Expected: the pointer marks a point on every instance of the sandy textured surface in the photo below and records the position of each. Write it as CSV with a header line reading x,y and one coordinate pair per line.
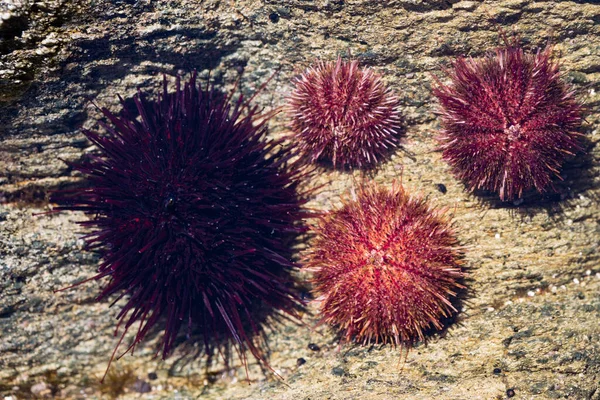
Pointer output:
x,y
531,324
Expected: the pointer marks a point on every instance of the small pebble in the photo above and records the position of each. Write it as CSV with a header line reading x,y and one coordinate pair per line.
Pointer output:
x,y
152,376
38,388
442,188
510,393
313,347
141,386
497,371
338,371
305,295
300,361
274,17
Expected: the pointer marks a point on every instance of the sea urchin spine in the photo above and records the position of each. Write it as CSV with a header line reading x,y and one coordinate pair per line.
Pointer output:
x,y
509,121
344,115
386,267
192,209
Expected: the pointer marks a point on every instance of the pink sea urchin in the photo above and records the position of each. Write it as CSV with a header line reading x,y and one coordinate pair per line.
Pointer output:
x,y
344,115
192,210
509,121
386,265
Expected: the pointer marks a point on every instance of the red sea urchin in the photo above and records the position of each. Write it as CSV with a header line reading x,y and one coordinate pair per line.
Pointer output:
x,y
192,210
386,266
509,121
345,115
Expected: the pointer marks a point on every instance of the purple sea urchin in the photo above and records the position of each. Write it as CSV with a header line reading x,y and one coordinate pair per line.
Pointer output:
x,y
386,266
345,115
509,121
191,209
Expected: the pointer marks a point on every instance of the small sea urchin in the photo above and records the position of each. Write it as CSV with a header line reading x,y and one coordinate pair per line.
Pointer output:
x,y
345,115
192,209
386,267
509,121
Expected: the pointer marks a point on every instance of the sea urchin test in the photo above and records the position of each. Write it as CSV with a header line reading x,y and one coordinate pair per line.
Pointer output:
x,y
344,115
509,121
386,266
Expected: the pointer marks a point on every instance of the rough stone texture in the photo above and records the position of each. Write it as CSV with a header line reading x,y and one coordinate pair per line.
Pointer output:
x,y
531,322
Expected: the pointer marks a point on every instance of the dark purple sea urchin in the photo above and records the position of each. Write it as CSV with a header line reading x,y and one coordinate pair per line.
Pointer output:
x,y
192,209
344,115
509,121
387,266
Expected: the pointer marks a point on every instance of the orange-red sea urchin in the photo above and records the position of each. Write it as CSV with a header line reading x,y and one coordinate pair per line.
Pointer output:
x,y
344,115
509,121
387,266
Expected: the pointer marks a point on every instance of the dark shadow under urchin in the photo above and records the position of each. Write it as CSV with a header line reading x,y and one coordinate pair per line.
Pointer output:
x,y
194,212
577,178
263,320
224,357
464,294
367,170
189,357
448,324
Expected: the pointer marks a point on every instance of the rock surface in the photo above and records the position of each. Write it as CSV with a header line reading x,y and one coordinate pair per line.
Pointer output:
x,y
530,327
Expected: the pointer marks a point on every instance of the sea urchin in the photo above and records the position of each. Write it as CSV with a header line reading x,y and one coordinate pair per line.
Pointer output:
x,y
345,115
192,209
386,267
509,121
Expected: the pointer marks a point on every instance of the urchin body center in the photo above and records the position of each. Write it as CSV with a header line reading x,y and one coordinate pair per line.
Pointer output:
x,y
513,132
169,203
338,131
377,258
